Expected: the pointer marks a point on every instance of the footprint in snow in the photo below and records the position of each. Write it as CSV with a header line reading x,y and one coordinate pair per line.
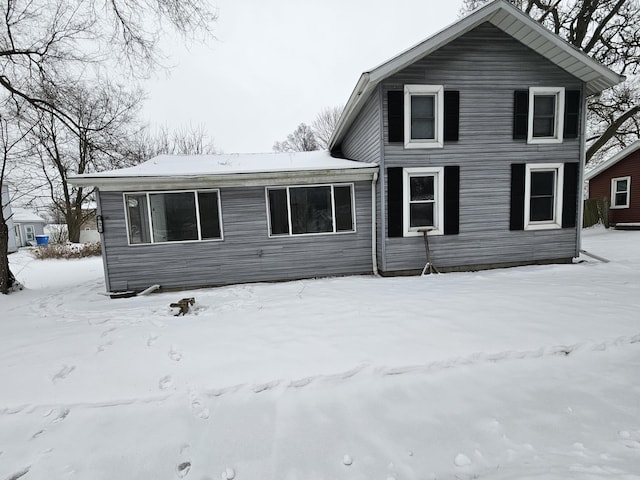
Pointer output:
x,y
103,346
62,415
462,460
165,382
199,410
228,474
152,340
174,355
63,373
182,469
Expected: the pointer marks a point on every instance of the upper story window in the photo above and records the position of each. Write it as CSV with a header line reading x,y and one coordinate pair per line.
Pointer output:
x,y
423,116
423,200
543,196
546,115
620,192
313,209
173,216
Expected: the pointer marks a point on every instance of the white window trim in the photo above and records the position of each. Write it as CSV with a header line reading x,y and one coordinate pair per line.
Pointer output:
x,y
153,242
438,227
30,231
559,114
438,92
557,216
333,210
613,192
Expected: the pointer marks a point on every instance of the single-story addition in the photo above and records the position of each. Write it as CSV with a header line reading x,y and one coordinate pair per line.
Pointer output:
x,y
190,221
475,134
618,181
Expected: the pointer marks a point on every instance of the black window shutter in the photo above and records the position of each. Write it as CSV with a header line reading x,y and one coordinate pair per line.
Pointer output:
x,y
451,200
520,114
395,115
394,210
451,115
517,196
570,195
571,113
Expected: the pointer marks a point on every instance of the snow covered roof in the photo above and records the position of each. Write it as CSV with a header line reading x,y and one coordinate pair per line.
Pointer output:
x,y
507,18
23,215
625,152
225,168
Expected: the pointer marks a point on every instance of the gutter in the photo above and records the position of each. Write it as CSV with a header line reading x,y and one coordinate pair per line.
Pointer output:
x,y
374,247
120,183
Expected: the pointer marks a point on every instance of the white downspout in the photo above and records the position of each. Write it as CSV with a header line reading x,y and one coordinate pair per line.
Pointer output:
x,y
374,247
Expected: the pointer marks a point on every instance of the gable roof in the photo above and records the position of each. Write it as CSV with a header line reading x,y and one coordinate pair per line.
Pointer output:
x,y
621,155
23,215
507,18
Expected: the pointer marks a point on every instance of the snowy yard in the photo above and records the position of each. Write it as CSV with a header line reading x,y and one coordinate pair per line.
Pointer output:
x,y
525,373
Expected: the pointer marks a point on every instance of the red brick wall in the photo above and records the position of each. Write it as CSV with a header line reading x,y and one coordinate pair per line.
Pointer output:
x,y
600,187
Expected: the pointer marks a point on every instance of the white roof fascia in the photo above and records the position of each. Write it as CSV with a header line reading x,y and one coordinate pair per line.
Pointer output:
x,y
158,182
504,16
621,155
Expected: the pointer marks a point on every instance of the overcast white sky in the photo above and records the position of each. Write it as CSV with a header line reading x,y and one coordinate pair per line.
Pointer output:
x,y
277,63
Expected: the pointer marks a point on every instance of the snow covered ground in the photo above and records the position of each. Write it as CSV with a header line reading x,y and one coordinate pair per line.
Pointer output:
x,y
527,373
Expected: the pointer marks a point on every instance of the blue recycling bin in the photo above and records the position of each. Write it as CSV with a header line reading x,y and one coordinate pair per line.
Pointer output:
x,y
42,240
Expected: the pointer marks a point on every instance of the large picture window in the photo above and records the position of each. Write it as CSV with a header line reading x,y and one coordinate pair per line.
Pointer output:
x,y
310,209
620,188
424,116
543,196
159,217
423,200
546,115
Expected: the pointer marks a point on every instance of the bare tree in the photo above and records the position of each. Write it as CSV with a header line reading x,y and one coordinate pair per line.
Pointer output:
x,y
45,42
12,148
301,140
103,117
185,140
608,31
324,124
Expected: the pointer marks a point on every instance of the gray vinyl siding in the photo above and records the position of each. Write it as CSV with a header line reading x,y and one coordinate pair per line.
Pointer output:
x,y
246,254
486,66
363,142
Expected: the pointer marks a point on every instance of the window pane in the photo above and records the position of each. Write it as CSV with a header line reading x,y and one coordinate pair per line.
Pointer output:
x,y
137,218
621,199
421,215
173,216
544,110
621,185
344,213
541,209
311,209
544,105
423,117
422,188
422,106
209,219
543,183
278,213
542,201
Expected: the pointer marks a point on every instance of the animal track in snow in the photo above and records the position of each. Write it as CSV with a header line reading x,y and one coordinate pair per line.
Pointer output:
x,y
102,346
152,340
200,410
63,373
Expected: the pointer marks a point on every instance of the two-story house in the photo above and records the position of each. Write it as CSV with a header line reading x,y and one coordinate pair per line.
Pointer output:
x,y
475,135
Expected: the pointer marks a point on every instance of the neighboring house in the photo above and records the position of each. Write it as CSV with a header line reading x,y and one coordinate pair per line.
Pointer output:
x,y
89,230
8,216
617,180
27,225
476,134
